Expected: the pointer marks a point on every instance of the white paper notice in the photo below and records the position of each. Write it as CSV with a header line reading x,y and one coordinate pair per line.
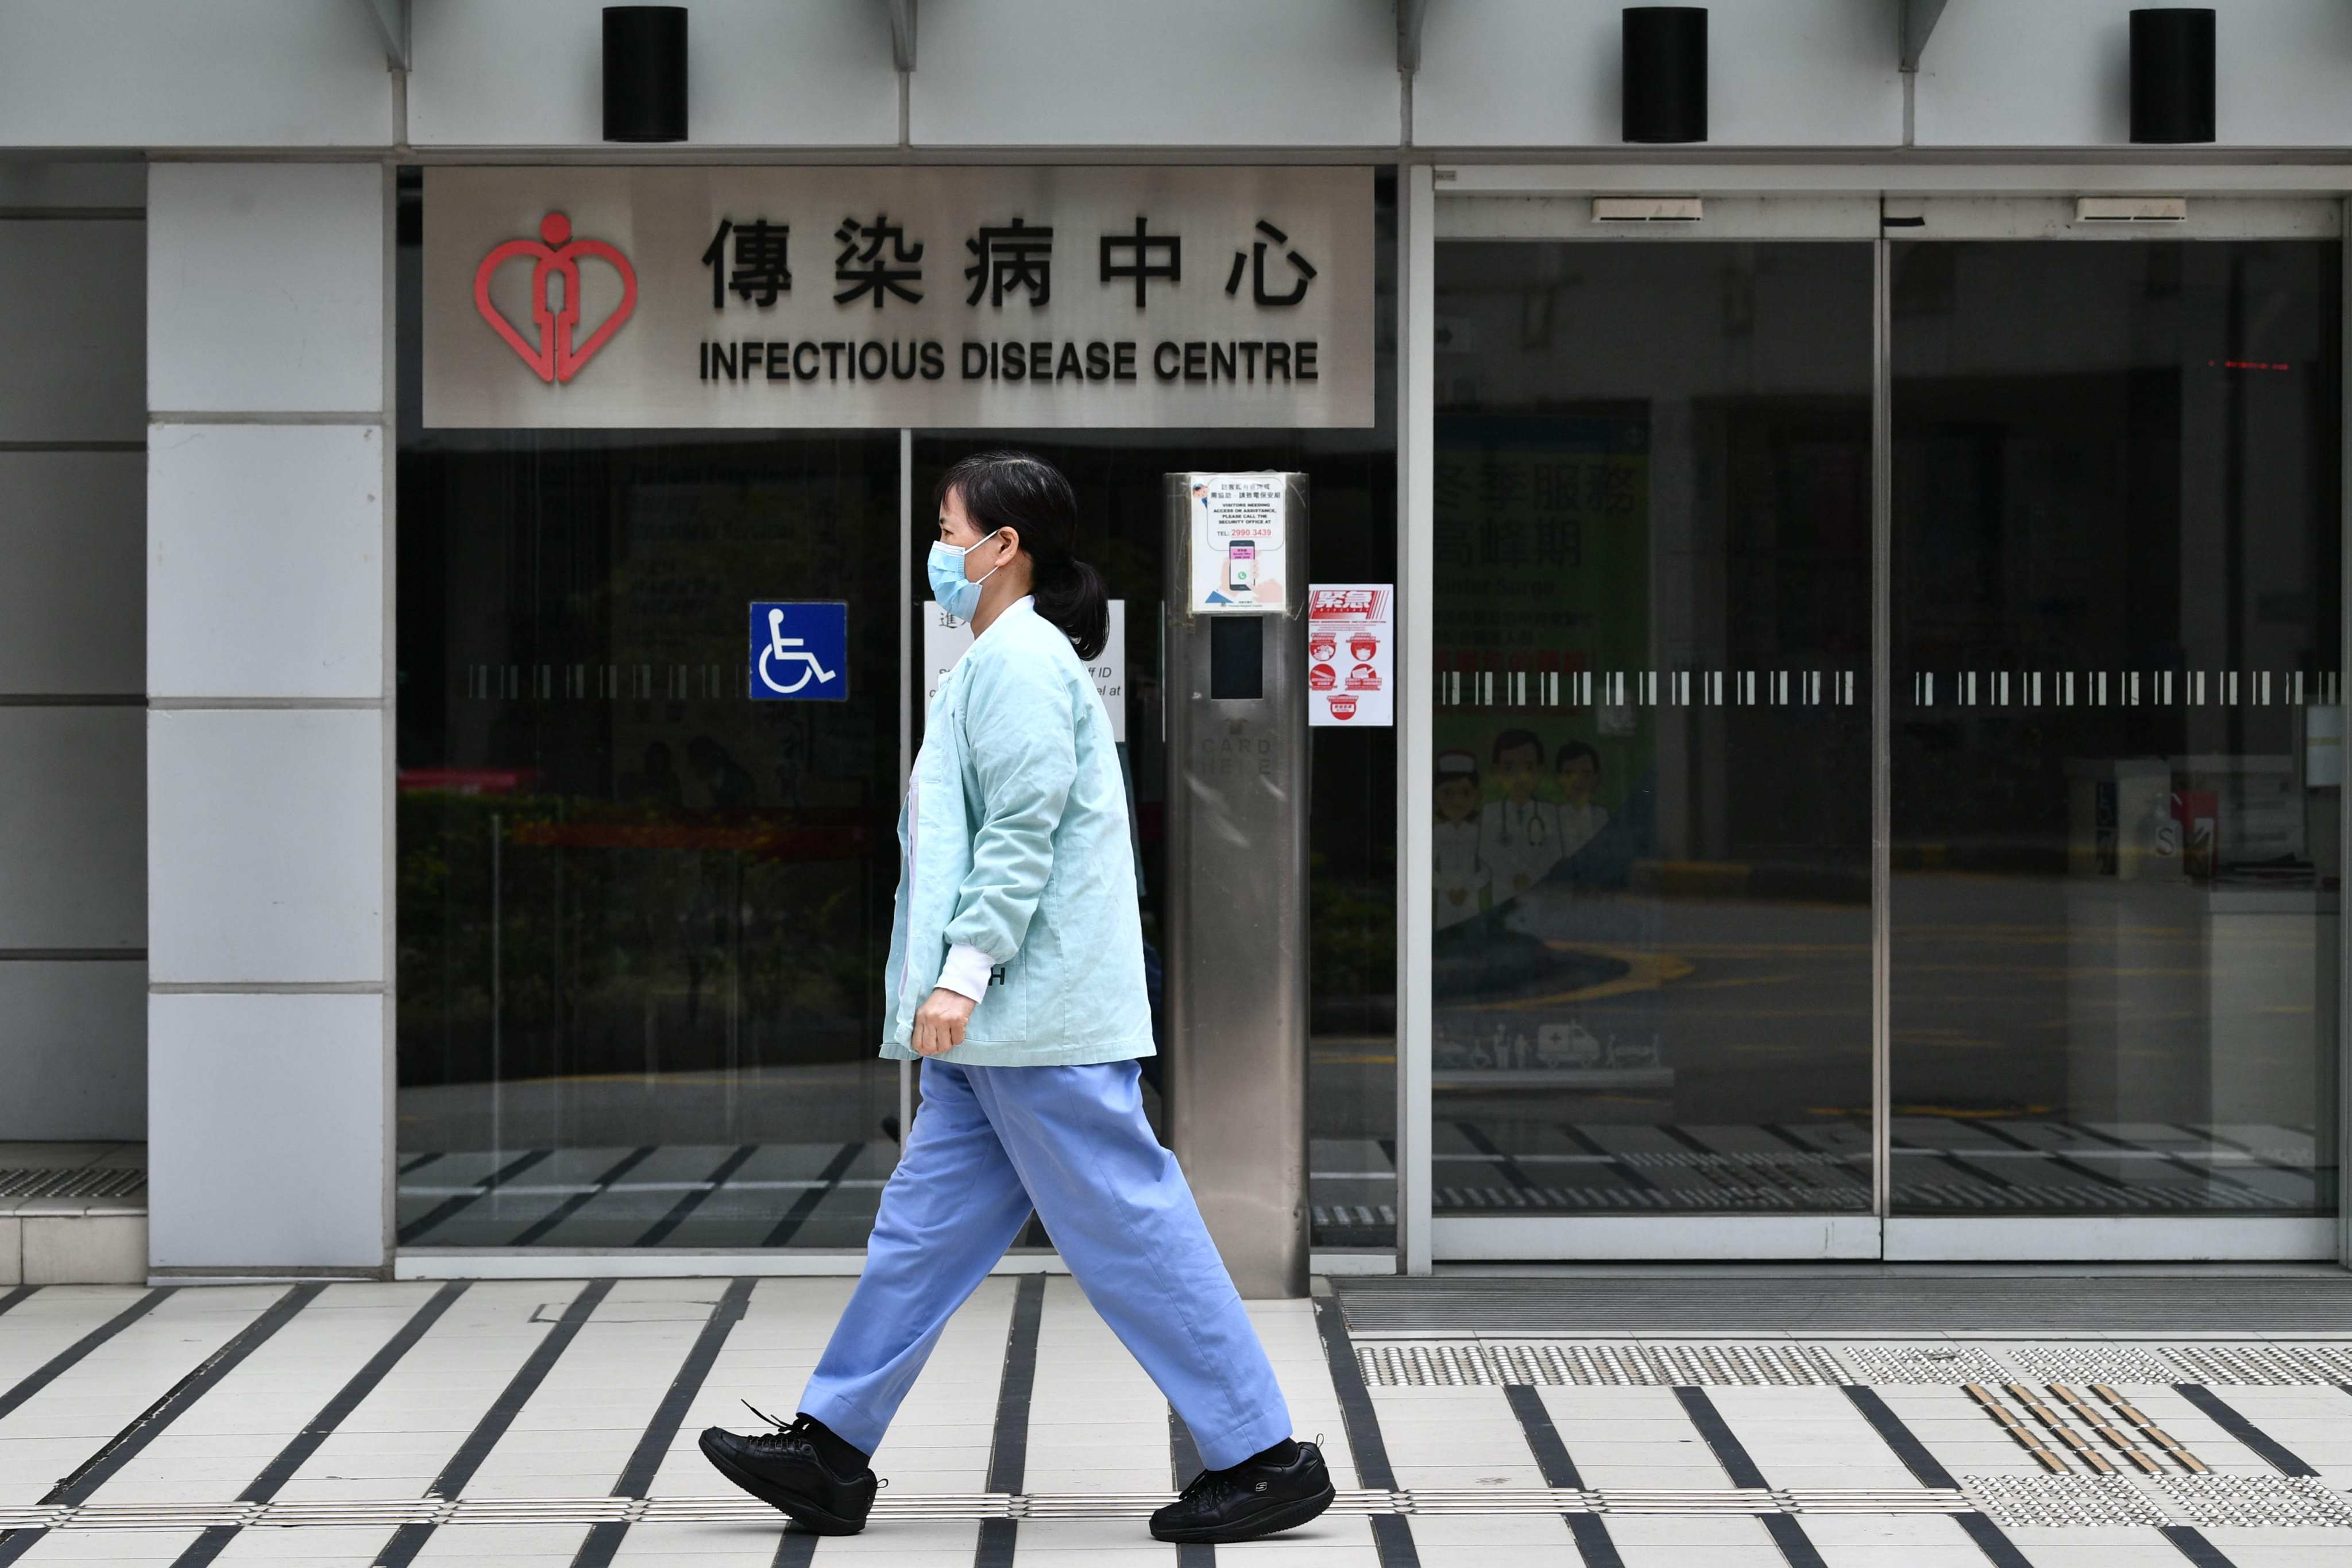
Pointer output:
x,y
1349,638
1238,560
945,639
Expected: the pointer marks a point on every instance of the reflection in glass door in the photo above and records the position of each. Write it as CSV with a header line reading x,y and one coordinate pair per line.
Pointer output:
x,y
1651,980
641,918
2117,741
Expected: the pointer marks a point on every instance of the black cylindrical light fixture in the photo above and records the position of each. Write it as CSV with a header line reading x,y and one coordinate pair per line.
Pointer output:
x,y
1665,73
644,73
2172,74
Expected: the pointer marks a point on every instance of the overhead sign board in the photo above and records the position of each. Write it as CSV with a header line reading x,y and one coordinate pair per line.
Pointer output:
x,y
849,298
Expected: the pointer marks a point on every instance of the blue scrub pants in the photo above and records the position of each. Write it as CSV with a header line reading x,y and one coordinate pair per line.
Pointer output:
x,y
989,1143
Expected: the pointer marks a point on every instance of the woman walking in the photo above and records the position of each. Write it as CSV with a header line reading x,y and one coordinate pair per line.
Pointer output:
x,y
1016,976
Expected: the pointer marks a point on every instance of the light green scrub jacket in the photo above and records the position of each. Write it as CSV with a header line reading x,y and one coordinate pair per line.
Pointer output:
x,y
1013,839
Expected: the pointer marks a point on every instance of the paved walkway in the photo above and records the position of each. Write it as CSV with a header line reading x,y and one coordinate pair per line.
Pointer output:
x,y
553,1423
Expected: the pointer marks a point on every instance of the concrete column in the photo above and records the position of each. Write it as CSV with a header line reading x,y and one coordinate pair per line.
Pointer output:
x,y
269,729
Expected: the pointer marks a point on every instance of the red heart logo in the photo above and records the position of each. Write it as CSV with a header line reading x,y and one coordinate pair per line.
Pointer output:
x,y
554,356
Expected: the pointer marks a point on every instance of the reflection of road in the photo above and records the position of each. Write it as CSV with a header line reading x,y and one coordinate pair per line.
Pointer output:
x,y
2115,1039
1760,1010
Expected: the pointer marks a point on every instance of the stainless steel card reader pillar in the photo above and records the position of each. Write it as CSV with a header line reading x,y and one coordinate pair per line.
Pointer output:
x,y
1235,896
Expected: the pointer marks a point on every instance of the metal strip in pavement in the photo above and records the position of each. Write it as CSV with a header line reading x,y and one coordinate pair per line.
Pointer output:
x,y
313,1436
797,1549
1008,1447
1786,1532
151,1423
1183,1465
2193,1545
806,1205
652,1447
678,1216
448,1208
58,1366
1929,1472
1391,1535
410,1538
2224,1416
580,1200
1559,1469
1924,1465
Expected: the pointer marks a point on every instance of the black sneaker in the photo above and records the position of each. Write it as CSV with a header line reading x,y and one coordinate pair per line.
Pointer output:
x,y
1250,1499
782,1469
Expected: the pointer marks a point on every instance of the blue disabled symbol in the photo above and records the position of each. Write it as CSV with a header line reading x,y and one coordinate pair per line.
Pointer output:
x,y
799,650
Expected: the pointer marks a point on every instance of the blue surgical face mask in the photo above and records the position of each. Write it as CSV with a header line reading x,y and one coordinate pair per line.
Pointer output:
x,y
958,594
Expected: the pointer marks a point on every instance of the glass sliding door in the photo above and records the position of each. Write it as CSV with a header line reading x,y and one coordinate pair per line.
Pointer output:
x,y
1650,887
2087,1006
2116,734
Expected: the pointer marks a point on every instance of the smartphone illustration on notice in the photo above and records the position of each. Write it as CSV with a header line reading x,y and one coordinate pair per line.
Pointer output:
x,y
1240,565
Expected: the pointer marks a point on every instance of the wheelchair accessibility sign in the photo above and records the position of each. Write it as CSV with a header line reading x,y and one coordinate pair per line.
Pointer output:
x,y
799,650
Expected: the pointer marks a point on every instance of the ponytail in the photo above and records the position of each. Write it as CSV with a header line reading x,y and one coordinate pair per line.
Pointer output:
x,y
1074,600
1029,495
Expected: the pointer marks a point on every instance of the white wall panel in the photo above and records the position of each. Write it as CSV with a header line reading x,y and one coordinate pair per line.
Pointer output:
x,y
265,561
2010,73
273,1154
73,595
73,1050
76,293
1146,73
1781,73
73,793
265,287
192,73
759,71
266,846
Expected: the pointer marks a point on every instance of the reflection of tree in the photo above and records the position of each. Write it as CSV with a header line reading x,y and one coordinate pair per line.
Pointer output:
x,y
632,938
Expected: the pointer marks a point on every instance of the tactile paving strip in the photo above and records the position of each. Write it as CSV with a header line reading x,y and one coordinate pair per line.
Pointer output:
x,y
2010,1499
2287,1500
2093,1363
390,1513
2062,1500
1473,1363
2274,1365
1894,1365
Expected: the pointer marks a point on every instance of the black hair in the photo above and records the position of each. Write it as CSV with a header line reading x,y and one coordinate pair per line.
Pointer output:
x,y
1512,740
1573,750
1028,494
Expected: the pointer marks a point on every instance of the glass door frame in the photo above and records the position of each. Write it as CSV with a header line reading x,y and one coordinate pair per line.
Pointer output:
x,y
1555,205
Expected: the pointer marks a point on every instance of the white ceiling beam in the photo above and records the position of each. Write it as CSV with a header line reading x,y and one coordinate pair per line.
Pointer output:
x,y
1410,15
1918,21
391,18
902,33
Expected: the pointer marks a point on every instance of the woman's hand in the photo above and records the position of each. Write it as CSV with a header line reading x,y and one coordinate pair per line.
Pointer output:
x,y
939,1021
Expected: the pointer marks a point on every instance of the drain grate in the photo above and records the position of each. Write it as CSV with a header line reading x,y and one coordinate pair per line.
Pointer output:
x,y
19,1183
2062,1500
2285,1500
1477,1363
1471,1363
